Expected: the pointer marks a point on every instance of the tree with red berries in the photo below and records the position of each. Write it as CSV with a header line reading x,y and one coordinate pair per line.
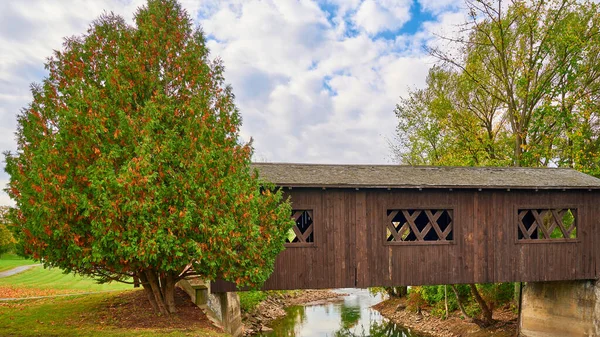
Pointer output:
x,y
129,162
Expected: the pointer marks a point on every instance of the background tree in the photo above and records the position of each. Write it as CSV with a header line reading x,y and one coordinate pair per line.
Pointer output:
x,y
450,123
536,63
129,162
7,241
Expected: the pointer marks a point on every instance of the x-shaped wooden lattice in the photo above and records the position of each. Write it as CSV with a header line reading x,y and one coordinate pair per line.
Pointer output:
x,y
302,236
554,218
411,226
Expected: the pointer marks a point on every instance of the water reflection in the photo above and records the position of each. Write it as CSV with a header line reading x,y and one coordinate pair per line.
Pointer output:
x,y
383,329
351,317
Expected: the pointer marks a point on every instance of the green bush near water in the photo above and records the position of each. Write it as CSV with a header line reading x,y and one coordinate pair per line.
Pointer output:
x,y
250,299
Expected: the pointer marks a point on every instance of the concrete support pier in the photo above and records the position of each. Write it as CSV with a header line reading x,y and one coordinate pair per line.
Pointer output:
x,y
223,309
561,309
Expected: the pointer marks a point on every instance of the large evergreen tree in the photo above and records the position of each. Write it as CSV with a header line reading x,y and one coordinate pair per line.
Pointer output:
x,y
129,162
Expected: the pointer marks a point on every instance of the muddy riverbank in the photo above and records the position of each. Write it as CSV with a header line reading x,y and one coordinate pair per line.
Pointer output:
x,y
429,325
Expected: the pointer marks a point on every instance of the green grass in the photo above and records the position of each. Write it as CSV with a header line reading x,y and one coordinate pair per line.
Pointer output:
x,y
99,314
76,316
10,261
38,277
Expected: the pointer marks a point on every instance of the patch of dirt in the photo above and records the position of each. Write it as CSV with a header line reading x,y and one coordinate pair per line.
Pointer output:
x,y
273,307
395,310
132,310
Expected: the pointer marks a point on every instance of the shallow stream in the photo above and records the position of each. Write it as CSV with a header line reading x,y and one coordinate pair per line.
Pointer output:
x,y
350,317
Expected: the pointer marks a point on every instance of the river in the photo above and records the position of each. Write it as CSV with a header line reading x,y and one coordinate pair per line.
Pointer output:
x,y
350,317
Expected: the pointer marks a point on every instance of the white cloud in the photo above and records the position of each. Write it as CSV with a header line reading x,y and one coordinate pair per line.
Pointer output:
x,y
440,6
378,16
312,86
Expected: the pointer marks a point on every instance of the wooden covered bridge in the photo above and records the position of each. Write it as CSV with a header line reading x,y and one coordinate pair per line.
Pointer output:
x,y
366,225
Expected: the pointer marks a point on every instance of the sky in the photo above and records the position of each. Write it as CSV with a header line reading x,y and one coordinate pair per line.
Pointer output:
x,y
315,81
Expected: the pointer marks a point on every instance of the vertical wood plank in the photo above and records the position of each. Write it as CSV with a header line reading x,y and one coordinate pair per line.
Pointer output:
x,y
362,266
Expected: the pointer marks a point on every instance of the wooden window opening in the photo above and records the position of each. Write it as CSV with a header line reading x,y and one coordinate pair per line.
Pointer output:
x,y
419,225
302,233
547,224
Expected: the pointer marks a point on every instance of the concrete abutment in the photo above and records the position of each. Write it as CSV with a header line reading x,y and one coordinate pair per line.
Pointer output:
x,y
223,309
560,309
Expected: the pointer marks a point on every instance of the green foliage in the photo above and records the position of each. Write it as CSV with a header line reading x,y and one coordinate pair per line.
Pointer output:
x,y
415,299
497,294
436,128
249,300
390,291
522,89
7,241
377,291
434,296
129,160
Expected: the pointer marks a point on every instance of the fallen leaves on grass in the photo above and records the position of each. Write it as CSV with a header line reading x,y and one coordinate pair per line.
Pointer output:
x,y
132,310
19,292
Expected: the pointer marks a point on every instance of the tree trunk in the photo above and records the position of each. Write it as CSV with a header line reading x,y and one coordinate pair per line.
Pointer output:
x,y
518,149
169,293
402,291
159,290
396,291
446,299
459,302
485,309
148,290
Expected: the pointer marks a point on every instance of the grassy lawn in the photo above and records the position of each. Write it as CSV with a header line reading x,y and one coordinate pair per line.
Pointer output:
x,y
38,281
107,314
124,312
10,260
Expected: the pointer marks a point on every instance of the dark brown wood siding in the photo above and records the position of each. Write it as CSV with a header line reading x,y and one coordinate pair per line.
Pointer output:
x,y
350,248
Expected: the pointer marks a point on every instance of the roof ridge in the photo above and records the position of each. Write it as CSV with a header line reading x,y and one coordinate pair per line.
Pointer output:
x,y
417,166
403,176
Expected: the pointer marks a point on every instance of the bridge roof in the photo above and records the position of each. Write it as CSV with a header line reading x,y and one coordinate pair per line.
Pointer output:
x,y
398,176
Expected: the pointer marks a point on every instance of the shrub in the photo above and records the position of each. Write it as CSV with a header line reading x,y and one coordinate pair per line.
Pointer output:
x,y
249,300
415,301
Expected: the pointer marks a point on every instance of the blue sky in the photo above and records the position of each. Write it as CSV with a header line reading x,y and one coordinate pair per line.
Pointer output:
x,y
314,81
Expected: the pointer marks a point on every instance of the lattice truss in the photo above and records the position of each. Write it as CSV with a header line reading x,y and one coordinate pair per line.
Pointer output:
x,y
407,225
302,231
540,224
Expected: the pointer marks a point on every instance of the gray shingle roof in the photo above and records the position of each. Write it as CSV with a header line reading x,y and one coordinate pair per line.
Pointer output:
x,y
397,176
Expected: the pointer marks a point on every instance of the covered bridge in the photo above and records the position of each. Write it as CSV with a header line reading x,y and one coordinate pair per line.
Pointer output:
x,y
383,225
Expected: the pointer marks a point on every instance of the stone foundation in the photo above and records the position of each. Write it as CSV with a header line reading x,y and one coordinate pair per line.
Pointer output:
x,y
223,309
560,309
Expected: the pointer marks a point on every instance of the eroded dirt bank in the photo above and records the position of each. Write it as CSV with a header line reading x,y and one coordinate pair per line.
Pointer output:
x,y
424,323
